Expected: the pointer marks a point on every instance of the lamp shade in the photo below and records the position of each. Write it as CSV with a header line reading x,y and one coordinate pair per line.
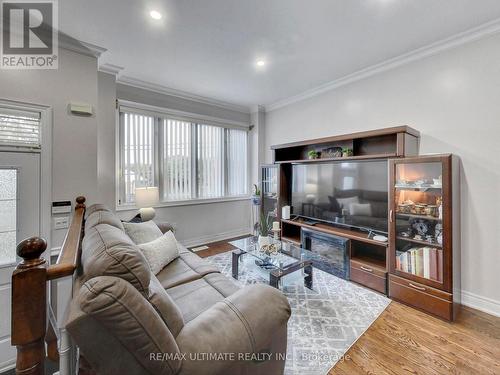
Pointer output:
x,y
146,197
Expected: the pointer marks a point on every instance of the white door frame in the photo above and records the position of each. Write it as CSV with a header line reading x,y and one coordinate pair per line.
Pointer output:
x,y
45,163
45,204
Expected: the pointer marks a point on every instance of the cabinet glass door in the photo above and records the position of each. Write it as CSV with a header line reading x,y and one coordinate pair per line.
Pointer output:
x,y
418,219
269,188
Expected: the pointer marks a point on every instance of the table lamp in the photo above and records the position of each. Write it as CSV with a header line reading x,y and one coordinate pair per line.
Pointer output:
x,y
145,199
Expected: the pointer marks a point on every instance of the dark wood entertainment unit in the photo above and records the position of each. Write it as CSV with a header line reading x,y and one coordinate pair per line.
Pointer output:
x,y
419,264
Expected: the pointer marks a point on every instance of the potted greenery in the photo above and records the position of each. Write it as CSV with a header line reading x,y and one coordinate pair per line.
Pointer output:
x,y
346,152
263,231
312,154
255,195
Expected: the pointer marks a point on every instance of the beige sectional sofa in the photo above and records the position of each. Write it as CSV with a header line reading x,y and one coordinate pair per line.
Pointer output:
x,y
187,319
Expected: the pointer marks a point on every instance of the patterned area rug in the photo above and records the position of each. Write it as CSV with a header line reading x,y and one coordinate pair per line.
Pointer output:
x,y
325,321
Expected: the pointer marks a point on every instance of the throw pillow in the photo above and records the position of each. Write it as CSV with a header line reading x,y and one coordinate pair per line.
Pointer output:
x,y
360,209
160,252
346,202
142,232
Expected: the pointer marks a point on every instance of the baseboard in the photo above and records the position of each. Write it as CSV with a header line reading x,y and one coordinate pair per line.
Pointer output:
x,y
215,237
484,304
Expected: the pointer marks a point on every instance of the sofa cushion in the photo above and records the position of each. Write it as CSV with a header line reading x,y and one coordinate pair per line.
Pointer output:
x,y
199,295
94,208
142,232
165,306
160,252
103,217
118,308
107,251
187,267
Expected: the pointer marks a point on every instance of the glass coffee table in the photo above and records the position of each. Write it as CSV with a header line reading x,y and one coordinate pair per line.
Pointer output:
x,y
287,259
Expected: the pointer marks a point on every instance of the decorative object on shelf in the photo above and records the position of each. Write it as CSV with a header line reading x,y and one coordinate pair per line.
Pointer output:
x,y
276,230
439,204
270,249
263,231
438,233
285,212
331,152
431,210
380,238
256,195
346,152
145,199
421,226
313,155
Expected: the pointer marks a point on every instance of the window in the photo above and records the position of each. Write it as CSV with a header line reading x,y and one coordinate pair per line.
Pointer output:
x,y
19,128
187,159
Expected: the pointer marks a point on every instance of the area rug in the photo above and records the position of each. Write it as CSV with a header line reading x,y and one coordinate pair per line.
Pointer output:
x,y
325,321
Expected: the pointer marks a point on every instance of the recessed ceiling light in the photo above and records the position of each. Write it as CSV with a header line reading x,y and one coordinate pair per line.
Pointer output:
x,y
260,63
155,15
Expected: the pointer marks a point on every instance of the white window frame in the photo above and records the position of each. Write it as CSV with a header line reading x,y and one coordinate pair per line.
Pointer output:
x,y
159,112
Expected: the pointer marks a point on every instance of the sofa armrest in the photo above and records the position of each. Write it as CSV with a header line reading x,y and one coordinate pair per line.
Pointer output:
x,y
165,227
249,321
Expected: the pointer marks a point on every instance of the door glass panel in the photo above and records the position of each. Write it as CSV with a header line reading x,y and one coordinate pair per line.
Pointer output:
x,y
8,215
419,219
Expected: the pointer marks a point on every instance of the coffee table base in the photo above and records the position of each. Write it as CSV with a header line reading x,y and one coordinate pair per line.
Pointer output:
x,y
276,275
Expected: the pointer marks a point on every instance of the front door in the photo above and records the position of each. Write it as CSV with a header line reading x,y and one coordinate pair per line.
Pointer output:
x,y
19,219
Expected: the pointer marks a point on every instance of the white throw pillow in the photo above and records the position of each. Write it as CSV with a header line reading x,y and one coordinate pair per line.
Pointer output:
x,y
142,232
360,209
160,252
346,202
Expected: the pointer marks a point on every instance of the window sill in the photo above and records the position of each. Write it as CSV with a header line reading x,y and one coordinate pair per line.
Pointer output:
x,y
191,202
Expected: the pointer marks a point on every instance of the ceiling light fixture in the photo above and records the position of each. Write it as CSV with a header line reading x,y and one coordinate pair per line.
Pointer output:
x,y
260,63
155,15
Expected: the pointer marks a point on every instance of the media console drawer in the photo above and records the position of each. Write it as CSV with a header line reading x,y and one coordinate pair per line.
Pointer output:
x,y
423,297
369,276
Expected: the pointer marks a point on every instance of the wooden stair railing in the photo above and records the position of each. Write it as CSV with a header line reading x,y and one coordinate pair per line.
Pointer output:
x,y
30,326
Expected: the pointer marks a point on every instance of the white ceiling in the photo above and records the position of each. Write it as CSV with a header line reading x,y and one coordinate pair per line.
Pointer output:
x,y
209,47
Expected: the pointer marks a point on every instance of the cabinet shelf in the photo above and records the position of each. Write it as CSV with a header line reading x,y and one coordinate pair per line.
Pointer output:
x,y
420,242
358,157
415,216
429,188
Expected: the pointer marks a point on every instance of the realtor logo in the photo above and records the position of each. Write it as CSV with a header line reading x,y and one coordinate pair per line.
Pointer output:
x,y
29,34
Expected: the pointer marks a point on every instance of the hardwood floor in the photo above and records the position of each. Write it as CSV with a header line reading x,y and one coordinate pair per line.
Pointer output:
x,y
406,341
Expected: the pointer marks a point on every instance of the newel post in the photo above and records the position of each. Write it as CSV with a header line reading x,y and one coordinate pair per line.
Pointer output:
x,y
29,303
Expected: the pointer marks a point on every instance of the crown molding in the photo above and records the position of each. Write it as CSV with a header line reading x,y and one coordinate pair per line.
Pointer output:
x,y
83,48
476,33
134,82
110,69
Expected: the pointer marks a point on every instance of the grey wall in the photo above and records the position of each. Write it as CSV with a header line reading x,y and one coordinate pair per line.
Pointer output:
x,y
74,144
453,99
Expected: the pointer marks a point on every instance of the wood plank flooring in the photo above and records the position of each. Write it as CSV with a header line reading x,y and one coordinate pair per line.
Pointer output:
x,y
406,341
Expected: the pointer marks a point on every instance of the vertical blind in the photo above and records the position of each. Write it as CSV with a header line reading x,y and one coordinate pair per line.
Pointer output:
x,y
237,162
137,160
185,159
177,160
19,128
210,161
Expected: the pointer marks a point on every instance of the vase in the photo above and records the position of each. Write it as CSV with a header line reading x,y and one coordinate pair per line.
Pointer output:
x,y
255,200
263,241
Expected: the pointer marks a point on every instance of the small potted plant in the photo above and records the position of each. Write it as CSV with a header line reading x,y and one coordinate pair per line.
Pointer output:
x,y
255,195
312,154
263,231
346,152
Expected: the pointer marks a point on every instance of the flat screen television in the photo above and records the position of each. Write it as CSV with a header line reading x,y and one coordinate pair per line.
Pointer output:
x,y
351,193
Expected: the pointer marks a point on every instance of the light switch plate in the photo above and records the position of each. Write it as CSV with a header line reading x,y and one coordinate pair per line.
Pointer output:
x,y
61,222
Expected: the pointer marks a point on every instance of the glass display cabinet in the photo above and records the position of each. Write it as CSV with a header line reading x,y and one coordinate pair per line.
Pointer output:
x,y
421,232
269,190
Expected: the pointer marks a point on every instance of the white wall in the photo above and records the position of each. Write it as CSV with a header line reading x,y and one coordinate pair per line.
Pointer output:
x,y
454,100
